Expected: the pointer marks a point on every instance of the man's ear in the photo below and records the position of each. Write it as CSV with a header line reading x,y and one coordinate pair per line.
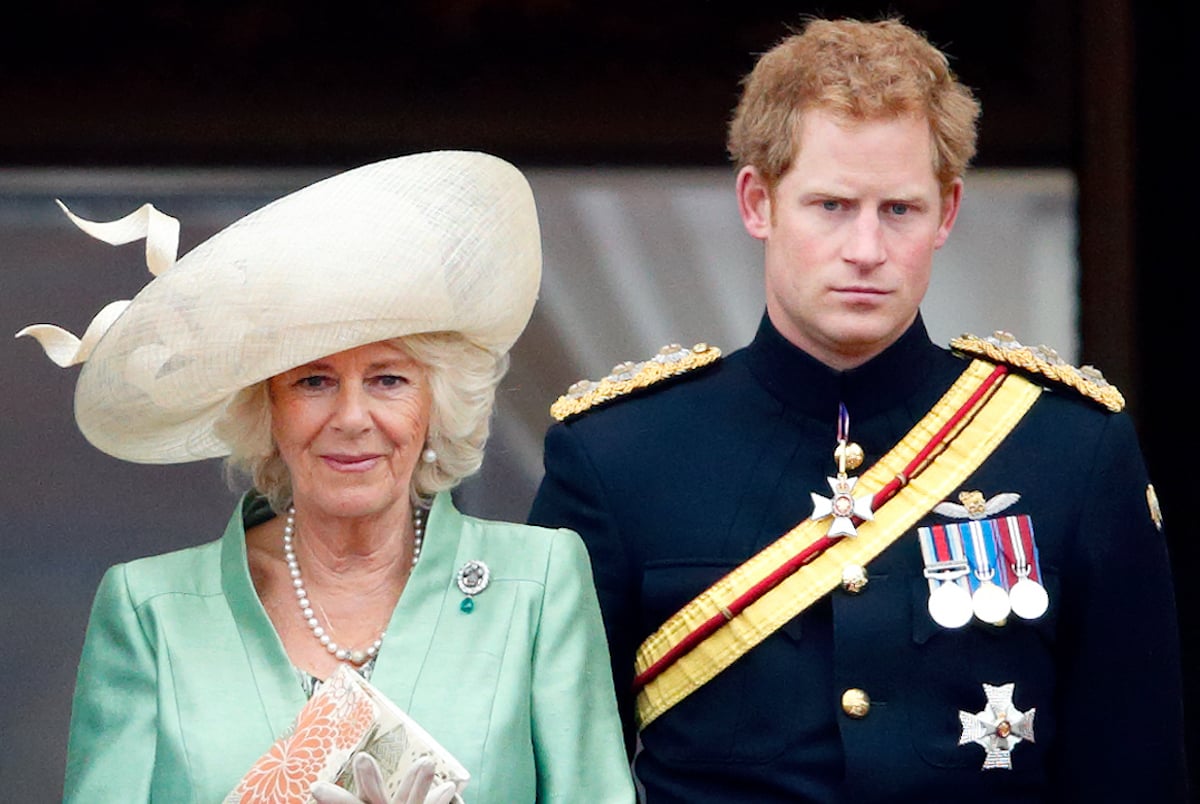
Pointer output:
x,y
951,201
754,202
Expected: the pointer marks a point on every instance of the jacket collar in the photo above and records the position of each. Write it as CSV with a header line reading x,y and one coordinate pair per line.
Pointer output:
x,y
802,382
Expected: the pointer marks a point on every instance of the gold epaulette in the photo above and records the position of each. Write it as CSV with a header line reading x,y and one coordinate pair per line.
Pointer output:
x,y
671,361
1002,347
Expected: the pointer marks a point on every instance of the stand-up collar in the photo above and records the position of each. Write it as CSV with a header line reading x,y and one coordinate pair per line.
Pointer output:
x,y
801,381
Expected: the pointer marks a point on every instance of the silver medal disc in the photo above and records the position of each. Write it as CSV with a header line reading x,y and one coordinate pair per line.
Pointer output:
x,y
950,605
1029,599
990,603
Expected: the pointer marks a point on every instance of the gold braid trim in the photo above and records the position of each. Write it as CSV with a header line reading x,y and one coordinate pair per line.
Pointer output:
x,y
1002,347
671,361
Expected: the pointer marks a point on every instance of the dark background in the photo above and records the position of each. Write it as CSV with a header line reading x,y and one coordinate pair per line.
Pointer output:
x,y
1099,87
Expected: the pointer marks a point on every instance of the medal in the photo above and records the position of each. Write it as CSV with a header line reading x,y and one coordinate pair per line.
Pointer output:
x,y
1029,599
842,505
990,603
946,569
998,728
950,605
1019,552
988,600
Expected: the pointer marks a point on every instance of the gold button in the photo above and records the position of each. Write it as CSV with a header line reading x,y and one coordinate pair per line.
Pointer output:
x,y
854,578
856,703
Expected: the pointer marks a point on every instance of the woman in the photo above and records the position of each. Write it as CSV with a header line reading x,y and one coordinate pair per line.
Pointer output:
x,y
342,345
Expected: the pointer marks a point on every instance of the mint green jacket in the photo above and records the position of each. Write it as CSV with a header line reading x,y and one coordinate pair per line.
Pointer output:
x,y
184,683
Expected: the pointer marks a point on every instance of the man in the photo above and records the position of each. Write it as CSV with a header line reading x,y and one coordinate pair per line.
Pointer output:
x,y
861,567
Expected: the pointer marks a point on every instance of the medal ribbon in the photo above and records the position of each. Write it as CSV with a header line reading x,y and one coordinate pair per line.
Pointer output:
x,y
766,591
943,556
843,433
1018,549
980,549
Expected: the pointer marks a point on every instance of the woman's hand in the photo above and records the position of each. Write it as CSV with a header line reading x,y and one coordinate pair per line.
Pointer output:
x,y
414,787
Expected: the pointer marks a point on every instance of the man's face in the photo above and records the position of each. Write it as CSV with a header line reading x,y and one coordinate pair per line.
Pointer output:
x,y
849,234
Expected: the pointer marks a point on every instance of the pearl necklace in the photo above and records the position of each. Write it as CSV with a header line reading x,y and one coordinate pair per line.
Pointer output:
x,y
355,657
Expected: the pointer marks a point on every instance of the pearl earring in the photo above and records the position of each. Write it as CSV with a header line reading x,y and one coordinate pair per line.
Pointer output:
x,y
429,455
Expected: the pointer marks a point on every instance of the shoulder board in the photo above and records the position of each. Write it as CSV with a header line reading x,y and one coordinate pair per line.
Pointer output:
x,y
1002,347
671,361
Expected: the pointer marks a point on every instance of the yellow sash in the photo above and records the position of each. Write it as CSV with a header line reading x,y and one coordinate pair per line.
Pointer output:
x,y
963,452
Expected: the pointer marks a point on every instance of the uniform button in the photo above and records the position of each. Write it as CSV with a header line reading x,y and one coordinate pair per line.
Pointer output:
x,y
854,579
856,703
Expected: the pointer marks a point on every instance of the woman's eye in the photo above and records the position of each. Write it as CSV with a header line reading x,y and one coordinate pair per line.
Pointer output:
x,y
316,381
391,381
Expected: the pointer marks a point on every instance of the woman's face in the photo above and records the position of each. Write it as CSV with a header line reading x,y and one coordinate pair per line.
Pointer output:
x,y
351,428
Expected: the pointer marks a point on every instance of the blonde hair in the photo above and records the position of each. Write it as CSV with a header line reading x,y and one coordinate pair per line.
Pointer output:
x,y
462,377
860,71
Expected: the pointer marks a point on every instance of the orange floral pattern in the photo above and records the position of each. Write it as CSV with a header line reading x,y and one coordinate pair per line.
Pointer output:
x,y
330,725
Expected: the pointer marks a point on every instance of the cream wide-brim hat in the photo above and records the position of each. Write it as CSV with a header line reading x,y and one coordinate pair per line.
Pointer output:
x,y
433,242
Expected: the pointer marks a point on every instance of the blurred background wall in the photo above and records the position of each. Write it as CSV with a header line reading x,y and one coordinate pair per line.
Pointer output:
x,y
1072,232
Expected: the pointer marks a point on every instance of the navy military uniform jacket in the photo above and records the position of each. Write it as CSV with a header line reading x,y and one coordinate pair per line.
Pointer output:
x,y
673,487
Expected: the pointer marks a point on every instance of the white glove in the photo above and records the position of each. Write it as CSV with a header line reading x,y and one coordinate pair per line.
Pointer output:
x,y
414,787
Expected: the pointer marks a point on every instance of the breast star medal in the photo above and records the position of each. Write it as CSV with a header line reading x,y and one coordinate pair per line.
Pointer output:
x,y
842,505
998,728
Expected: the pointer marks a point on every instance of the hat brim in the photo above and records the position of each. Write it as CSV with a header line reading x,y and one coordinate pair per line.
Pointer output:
x,y
441,241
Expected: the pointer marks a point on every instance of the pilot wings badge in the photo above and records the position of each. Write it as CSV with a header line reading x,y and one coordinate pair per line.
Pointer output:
x,y
975,506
